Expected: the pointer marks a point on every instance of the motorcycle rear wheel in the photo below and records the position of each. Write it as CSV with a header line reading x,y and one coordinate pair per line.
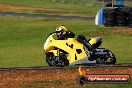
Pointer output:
x,y
107,59
111,59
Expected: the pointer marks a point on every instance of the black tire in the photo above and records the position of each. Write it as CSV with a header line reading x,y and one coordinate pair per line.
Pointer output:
x,y
103,56
111,57
121,13
121,22
129,18
109,16
100,61
109,19
130,13
109,24
81,80
110,13
129,25
127,9
120,9
51,60
107,10
121,25
120,17
129,22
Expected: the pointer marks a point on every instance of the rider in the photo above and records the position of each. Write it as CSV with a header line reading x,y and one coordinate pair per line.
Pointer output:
x,y
63,33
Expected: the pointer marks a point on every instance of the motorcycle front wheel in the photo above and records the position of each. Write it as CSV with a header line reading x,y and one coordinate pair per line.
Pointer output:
x,y
57,61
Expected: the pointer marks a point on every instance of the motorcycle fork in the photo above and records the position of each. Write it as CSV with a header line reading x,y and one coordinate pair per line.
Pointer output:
x,y
58,52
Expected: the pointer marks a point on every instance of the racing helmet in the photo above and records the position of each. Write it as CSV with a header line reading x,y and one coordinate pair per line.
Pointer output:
x,y
61,29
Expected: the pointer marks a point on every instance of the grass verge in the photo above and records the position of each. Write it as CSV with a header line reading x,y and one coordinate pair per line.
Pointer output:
x,y
65,83
21,39
46,6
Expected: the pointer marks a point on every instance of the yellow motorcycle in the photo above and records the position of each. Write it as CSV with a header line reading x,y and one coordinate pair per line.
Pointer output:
x,y
73,52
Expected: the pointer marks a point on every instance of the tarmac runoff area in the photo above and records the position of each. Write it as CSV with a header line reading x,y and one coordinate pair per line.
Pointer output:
x,y
45,16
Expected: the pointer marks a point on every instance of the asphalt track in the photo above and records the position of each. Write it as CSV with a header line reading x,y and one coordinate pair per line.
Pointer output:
x,y
45,16
50,68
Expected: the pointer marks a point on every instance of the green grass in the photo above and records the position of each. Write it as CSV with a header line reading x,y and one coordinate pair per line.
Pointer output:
x,y
85,8
21,39
61,8
66,83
